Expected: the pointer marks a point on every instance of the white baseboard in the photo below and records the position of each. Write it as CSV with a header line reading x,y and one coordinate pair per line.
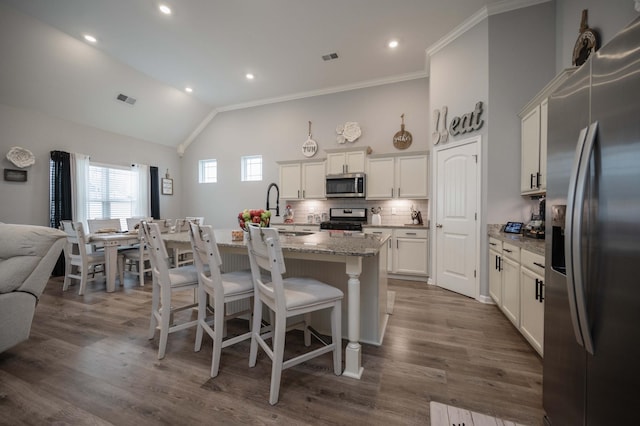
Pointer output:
x,y
485,299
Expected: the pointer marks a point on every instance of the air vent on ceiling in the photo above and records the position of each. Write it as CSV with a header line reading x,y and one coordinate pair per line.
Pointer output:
x,y
329,56
126,99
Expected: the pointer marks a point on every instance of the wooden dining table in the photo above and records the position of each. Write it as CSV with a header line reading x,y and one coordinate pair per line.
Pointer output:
x,y
111,241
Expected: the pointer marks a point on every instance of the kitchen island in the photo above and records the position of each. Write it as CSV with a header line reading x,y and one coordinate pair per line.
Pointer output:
x,y
328,256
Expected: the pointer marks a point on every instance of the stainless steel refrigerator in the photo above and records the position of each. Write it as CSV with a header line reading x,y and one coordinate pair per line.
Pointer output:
x,y
591,359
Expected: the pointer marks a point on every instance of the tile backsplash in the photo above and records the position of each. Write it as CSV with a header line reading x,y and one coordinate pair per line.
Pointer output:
x,y
394,212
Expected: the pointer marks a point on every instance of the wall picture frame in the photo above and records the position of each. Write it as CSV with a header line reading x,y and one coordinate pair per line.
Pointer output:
x,y
167,186
12,175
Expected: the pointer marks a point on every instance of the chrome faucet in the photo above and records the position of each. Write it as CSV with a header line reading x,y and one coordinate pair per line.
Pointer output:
x,y
271,185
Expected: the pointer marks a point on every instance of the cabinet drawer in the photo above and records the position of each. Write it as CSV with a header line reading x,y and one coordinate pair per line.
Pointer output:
x,y
511,251
411,233
533,262
495,244
378,231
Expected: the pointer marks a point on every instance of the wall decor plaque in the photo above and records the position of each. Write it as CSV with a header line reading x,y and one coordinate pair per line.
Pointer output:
x,y
12,175
587,42
402,139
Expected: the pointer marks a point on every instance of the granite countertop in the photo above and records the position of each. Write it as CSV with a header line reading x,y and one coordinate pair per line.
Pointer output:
x,y
408,225
531,244
335,243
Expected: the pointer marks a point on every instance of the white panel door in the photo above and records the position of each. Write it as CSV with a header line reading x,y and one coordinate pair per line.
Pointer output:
x,y
457,186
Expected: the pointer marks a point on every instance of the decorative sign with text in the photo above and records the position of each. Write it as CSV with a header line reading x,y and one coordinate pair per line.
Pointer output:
x,y
466,123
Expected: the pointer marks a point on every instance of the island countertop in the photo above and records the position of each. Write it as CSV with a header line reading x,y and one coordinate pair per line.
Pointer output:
x,y
326,242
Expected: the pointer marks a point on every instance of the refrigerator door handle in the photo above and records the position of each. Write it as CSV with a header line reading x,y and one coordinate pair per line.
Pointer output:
x,y
568,236
579,279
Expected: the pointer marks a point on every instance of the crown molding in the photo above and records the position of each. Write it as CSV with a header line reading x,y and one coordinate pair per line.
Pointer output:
x,y
328,91
196,132
479,16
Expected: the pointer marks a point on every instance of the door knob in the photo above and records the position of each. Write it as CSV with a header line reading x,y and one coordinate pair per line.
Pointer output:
x,y
439,225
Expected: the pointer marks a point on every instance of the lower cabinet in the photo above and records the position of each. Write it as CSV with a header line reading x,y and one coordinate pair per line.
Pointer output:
x,y
511,282
532,300
516,284
408,252
411,252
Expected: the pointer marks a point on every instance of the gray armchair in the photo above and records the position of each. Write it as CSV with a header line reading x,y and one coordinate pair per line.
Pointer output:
x,y
28,254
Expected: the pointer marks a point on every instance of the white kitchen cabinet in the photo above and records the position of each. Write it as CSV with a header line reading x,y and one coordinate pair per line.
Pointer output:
x,y
313,180
302,180
495,270
398,176
511,282
533,117
390,244
532,299
290,181
342,161
411,252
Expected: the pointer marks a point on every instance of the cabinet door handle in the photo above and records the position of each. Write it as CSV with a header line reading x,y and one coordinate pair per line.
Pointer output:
x,y
539,264
397,244
531,181
538,176
541,298
303,193
376,232
438,225
508,251
537,288
499,263
398,192
410,233
298,193
491,244
391,192
389,242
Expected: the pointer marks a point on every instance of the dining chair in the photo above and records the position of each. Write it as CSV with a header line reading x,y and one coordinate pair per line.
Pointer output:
x,y
79,262
183,256
222,288
138,258
103,225
166,281
286,298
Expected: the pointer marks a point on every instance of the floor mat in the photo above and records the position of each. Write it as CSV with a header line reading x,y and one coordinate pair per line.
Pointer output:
x,y
447,415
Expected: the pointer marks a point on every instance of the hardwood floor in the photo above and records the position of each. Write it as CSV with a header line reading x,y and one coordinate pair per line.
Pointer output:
x,y
88,361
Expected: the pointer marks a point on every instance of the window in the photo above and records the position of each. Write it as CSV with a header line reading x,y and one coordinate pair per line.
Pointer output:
x,y
112,193
208,171
252,168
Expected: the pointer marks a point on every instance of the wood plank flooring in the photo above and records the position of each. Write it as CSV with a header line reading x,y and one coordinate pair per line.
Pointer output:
x,y
88,361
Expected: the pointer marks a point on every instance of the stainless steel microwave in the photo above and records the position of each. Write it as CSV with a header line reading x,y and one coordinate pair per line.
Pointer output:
x,y
350,185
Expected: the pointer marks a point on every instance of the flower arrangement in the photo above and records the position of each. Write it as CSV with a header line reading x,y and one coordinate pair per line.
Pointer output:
x,y
259,216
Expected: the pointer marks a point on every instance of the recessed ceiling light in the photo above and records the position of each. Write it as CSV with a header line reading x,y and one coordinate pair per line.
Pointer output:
x,y
90,38
250,76
188,89
165,9
393,44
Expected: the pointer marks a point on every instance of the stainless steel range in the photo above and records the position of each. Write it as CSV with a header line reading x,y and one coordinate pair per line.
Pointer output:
x,y
345,219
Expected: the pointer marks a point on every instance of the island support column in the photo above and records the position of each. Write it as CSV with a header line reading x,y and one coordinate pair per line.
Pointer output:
x,y
353,354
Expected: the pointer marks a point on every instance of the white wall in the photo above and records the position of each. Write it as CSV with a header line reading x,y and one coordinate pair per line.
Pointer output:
x,y
519,67
459,77
28,202
606,17
277,132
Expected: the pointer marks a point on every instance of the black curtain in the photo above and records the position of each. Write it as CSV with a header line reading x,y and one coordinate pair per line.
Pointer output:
x,y
155,192
60,196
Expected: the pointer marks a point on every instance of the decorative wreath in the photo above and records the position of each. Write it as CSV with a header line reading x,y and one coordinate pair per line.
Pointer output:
x,y
21,157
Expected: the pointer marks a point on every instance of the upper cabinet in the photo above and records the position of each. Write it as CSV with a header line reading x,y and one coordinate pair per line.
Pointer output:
x,y
341,161
533,172
302,180
398,176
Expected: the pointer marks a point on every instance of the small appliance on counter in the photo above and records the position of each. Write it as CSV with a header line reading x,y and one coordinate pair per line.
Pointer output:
x,y
535,228
416,217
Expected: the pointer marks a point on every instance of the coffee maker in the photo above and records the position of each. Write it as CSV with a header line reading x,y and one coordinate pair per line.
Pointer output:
x,y
535,227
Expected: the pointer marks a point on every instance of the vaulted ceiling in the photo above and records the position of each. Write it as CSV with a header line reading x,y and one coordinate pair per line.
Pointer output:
x,y
209,46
